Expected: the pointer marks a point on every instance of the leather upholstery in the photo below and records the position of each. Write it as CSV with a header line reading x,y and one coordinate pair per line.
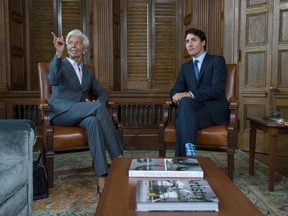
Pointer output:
x,y
57,139
216,136
69,137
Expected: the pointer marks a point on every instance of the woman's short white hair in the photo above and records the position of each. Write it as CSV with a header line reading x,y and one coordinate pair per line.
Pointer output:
x,y
77,32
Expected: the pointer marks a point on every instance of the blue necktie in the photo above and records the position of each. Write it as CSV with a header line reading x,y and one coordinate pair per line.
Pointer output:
x,y
196,69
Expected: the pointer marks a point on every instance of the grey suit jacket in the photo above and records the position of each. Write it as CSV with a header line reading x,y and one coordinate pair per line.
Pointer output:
x,y
66,88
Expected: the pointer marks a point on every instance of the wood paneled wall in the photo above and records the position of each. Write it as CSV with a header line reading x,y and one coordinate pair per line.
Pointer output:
x,y
208,16
263,80
19,97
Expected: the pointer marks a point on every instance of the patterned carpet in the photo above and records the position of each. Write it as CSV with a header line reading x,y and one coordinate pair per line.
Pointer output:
x,y
75,194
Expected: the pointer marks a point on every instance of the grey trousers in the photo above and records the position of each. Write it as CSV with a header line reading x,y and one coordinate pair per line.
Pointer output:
x,y
101,132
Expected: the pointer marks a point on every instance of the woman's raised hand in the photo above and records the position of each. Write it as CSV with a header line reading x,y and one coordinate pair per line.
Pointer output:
x,y
59,44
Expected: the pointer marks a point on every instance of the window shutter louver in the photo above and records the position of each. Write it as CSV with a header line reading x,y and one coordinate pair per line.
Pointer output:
x,y
151,44
71,16
137,42
165,44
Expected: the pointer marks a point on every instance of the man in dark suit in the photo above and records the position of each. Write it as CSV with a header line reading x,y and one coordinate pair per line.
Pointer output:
x,y
199,92
71,82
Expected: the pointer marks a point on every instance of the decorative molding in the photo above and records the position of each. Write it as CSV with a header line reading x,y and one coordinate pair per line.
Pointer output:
x,y
253,94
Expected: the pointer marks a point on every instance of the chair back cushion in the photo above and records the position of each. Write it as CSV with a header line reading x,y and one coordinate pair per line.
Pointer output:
x,y
230,90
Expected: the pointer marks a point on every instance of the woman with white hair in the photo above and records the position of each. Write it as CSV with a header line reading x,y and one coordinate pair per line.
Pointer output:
x,y
71,82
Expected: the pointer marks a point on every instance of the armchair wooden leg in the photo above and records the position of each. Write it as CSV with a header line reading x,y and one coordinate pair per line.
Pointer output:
x,y
49,161
162,150
230,164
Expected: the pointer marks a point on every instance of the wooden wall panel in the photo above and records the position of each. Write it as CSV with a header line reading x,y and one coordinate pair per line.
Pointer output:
x,y
283,28
116,45
251,3
18,73
280,66
103,41
283,69
4,44
252,109
262,67
2,110
140,115
207,15
256,28
255,75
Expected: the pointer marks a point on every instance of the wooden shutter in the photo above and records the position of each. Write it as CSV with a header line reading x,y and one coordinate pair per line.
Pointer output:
x,y
71,16
42,49
137,44
150,44
165,44
43,23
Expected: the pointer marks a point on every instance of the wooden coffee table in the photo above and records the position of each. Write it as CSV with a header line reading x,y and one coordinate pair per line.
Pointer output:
x,y
119,193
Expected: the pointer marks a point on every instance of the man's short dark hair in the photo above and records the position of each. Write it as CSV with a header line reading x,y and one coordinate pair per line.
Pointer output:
x,y
198,33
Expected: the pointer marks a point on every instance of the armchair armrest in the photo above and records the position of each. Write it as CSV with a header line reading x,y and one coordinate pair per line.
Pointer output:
x,y
166,111
114,113
45,109
233,107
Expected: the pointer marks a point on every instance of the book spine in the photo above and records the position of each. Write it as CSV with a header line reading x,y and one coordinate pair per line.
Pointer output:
x,y
198,174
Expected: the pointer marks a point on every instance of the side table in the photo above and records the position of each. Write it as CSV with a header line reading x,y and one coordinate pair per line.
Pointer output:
x,y
273,129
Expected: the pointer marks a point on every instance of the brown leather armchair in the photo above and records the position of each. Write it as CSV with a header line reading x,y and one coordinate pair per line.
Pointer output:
x,y
60,139
220,136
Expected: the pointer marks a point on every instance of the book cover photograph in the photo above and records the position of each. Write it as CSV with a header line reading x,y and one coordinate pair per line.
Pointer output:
x,y
165,167
175,195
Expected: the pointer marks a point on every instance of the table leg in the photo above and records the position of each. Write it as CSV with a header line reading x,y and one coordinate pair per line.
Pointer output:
x,y
272,160
252,144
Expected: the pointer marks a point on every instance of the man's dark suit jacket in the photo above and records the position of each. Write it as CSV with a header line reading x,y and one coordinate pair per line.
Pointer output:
x,y
210,87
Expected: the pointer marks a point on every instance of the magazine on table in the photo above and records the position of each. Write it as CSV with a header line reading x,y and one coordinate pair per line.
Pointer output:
x,y
175,195
165,167
274,119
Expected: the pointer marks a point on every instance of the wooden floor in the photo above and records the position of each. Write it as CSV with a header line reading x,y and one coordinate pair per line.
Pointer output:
x,y
282,162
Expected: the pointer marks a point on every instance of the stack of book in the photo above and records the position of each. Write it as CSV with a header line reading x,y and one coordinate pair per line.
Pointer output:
x,y
179,185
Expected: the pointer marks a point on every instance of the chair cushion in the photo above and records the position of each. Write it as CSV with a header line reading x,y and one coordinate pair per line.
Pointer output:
x,y
69,137
215,135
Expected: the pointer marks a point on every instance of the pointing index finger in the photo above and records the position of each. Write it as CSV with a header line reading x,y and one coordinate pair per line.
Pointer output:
x,y
53,35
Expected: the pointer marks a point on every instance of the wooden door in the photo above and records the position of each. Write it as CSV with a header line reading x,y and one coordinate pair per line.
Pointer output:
x,y
263,56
